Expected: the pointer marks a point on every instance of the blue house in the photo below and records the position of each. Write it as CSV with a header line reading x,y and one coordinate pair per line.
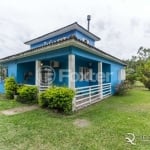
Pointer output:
x,y
67,57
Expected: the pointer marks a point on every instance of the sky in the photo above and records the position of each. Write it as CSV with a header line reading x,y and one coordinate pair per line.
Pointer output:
x,y
122,25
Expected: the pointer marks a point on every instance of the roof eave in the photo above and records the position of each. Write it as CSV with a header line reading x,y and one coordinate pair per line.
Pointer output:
x,y
70,42
60,31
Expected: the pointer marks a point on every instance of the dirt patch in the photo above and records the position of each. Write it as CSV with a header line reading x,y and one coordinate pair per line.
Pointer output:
x,y
19,110
81,123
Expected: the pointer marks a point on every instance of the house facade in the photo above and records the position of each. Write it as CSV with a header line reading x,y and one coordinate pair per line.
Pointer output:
x,y
67,57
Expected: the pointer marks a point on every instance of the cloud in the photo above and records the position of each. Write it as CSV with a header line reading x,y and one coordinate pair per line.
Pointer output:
x,y
135,22
123,25
12,36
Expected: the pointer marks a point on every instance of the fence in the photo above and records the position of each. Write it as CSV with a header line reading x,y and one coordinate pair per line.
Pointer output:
x,y
90,94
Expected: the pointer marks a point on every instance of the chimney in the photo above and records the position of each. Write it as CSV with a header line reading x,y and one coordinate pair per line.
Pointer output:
x,y
88,19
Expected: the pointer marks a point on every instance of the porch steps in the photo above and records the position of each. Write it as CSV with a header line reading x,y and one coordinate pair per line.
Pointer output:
x,y
43,88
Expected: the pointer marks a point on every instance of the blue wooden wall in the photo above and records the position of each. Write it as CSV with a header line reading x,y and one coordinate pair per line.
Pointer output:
x,y
78,34
18,67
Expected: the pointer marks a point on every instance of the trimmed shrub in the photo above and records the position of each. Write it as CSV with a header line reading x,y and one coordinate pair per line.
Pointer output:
x,y
10,87
59,98
27,94
122,88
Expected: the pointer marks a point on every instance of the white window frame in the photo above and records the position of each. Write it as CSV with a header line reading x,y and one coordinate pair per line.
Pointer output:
x,y
3,73
122,74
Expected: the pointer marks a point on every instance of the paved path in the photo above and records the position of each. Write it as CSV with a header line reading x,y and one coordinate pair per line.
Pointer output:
x,y
18,110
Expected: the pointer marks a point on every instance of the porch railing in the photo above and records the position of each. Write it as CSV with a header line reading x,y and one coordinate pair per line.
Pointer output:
x,y
90,94
106,90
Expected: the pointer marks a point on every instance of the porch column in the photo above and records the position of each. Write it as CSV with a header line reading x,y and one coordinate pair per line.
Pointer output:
x,y
71,68
71,76
37,72
100,81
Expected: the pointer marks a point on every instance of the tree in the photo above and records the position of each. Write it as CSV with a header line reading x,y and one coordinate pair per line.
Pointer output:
x,y
131,69
143,53
138,67
145,74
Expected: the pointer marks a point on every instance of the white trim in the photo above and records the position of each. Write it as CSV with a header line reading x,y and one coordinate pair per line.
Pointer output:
x,y
63,30
122,74
100,78
71,75
70,42
96,52
71,65
90,74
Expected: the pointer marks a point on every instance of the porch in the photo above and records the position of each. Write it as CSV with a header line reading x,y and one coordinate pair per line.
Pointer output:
x,y
90,79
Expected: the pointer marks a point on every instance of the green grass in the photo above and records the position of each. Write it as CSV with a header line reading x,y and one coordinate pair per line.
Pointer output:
x,y
7,104
110,121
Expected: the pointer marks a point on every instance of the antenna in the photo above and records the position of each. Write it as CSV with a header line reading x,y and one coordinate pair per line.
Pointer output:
x,y
88,19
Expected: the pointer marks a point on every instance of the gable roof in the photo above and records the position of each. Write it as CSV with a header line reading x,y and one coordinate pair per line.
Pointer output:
x,y
63,30
72,41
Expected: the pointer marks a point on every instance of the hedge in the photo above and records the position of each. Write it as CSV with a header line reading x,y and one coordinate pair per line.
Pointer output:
x,y
59,98
27,94
10,87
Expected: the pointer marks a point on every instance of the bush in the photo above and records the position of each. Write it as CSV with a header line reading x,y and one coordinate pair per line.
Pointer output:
x,y
131,78
122,88
43,101
147,83
10,87
59,98
27,94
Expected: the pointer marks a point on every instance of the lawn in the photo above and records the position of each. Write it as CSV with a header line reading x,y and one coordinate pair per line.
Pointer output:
x,y
7,104
110,121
